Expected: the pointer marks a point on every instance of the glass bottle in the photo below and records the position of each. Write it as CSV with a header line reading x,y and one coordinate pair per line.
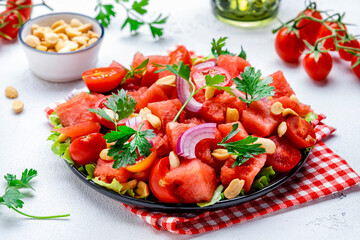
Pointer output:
x,y
246,13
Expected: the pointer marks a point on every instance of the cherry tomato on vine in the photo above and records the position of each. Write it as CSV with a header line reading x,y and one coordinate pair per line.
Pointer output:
x,y
320,69
103,79
356,70
308,30
329,43
288,46
26,12
11,23
346,55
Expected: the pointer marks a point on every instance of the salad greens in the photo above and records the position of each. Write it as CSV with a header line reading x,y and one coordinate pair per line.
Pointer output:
x,y
216,197
263,178
217,48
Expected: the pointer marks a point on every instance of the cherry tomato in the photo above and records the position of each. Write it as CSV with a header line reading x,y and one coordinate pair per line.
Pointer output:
x,y
285,157
329,43
346,55
180,54
103,79
308,30
162,191
288,46
356,69
86,149
11,23
143,164
199,76
26,12
141,176
300,132
319,70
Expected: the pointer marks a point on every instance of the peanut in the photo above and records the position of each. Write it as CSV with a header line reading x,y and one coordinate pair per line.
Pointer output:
x,y
289,111
129,185
51,38
75,23
282,129
85,27
154,120
62,138
174,160
144,112
72,32
267,144
168,80
277,108
294,98
142,189
80,40
41,48
92,41
32,41
11,92
232,115
18,106
57,24
209,92
234,188
220,154
104,155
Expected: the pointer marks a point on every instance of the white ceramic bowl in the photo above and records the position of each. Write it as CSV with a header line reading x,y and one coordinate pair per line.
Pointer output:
x,y
61,67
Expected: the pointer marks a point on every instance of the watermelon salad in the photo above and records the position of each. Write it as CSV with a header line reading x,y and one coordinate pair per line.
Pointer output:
x,y
182,128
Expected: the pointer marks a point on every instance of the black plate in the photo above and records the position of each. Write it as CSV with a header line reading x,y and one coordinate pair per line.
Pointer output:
x,y
187,208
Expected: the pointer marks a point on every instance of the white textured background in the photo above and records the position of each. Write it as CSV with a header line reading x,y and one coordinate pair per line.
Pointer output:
x,y
93,216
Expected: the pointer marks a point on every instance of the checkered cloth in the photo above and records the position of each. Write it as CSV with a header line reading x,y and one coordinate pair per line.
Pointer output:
x,y
323,173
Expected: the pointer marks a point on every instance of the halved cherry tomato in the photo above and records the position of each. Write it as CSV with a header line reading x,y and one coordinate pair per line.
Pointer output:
x,y
142,164
86,149
346,55
180,54
288,46
300,132
162,191
329,43
308,30
199,76
285,157
101,104
103,79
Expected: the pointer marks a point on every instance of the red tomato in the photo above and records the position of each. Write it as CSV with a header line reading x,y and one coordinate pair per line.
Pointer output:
x,y
308,30
346,55
11,22
180,54
26,12
300,132
329,43
86,149
142,164
288,46
141,176
103,79
356,69
80,129
319,70
162,191
199,76
285,157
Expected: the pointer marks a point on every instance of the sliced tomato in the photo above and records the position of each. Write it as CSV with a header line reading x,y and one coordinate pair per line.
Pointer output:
x,y
103,79
142,164
80,129
199,76
101,104
300,132
86,149
141,176
180,54
163,192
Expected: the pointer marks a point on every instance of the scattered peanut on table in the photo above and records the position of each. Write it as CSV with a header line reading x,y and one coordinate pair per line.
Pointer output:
x,y
62,37
18,106
11,92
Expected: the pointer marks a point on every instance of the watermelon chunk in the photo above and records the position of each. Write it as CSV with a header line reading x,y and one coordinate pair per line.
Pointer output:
x,y
214,109
233,64
167,110
161,144
299,108
195,181
76,111
106,173
144,96
259,120
174,130
282,87
247,171
80,129
226,128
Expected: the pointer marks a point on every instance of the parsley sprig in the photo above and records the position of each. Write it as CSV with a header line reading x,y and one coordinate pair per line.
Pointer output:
x,y
183,71
136,71
125,152
218,49
244,149
134,16
252,85
12,197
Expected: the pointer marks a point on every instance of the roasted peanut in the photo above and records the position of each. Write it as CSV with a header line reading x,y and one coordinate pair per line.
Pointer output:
x,y
92,34
18,106
174,160
104,155
277,108
232,115
41,48
220,154
294,98
289,111
62,138
57,24
72,32
71,45
32,41
209,92
39,32
80,40
282,128
75,23
154,120
59,45
142,189
267,144
110,113
234,188
60,29
168,80
11,92
85,27
92,41
129,185
51,38
144,112
64,50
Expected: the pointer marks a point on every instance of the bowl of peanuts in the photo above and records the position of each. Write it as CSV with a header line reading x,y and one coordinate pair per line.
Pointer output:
x,y
61,46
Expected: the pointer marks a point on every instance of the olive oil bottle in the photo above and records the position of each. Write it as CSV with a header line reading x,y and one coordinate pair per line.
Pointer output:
x,y
246,13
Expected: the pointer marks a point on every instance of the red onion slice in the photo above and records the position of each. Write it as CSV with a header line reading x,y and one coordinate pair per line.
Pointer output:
x,y
132,122
187,142
206,64
183,92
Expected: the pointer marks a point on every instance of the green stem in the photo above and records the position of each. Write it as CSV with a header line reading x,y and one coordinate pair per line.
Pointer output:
x,y
39,217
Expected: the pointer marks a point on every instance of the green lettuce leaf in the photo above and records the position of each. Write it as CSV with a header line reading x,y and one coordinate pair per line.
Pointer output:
x,y
114,185
263,178
216,197
310,117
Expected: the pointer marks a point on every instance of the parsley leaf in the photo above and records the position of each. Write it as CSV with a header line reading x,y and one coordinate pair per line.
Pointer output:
x,y
218,49
180,70
12,197
244,149
105,12
253,86
139,6
26,176
133,23
136,71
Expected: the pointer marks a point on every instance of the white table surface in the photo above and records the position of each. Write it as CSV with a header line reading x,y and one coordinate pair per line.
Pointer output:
x,y
94,216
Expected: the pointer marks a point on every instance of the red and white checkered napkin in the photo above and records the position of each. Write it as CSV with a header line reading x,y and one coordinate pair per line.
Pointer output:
x,y
323,173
